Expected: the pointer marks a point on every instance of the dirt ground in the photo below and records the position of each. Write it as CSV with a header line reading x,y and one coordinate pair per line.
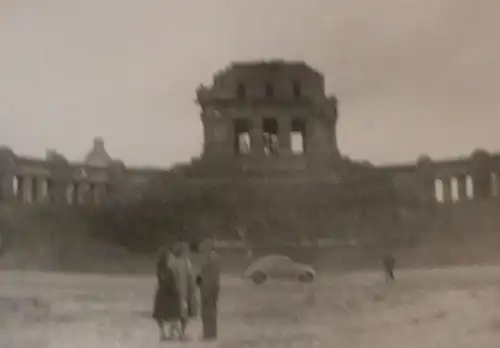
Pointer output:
x,y
434,308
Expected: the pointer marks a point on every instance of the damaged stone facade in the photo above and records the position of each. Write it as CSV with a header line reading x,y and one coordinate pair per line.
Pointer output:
x,y
268,109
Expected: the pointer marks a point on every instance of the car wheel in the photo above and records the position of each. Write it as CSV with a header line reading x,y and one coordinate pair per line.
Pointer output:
x,y
258,278
306,278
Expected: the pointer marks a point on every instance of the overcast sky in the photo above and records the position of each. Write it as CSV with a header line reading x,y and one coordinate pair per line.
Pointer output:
x,y
411,76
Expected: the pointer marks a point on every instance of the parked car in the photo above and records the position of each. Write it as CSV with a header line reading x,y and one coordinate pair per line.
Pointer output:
x,y
279,267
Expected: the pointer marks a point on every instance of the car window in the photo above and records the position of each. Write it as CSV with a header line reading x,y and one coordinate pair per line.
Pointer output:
x,y
278,258
284,261
270,261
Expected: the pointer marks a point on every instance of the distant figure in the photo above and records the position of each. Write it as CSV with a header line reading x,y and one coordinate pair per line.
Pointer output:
x,y
167,299
183,271
389,263
209,282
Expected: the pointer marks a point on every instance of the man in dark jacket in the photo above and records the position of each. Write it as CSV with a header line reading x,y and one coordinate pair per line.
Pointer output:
x,y
209,282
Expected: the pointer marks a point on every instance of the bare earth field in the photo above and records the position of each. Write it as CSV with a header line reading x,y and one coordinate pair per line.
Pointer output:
x,y
434,308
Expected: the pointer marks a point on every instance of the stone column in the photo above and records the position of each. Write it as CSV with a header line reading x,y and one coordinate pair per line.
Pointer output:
x,y
494,184
17,187
284,136
59,189
462,188
79,193
471,190
71,192
429,189
82,193
34,189
315,137
99,192
108,189
90,195
7,186
447,196
95,193
227,146
41,189
50,190
256,138
26,189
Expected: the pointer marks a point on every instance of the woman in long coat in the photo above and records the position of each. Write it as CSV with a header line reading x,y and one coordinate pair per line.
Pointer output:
x,y
183,271
167,303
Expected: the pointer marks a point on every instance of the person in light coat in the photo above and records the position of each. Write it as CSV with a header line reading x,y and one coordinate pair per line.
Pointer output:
x,y
186,283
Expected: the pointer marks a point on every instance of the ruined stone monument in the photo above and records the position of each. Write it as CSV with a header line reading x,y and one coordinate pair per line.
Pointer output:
x,y
270,116
268,109
268,121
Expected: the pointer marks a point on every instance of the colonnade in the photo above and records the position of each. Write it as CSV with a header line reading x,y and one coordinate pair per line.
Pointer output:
x,y
457,188
271,136
33,189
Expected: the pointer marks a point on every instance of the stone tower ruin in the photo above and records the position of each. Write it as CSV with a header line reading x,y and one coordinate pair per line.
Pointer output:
x,y
270,114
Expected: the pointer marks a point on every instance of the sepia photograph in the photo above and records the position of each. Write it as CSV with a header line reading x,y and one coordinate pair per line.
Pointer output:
x,y
259,173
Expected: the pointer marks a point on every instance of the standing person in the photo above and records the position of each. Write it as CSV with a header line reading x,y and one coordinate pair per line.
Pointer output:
x,y
167,300
192,302
389,262
183,270
209,283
